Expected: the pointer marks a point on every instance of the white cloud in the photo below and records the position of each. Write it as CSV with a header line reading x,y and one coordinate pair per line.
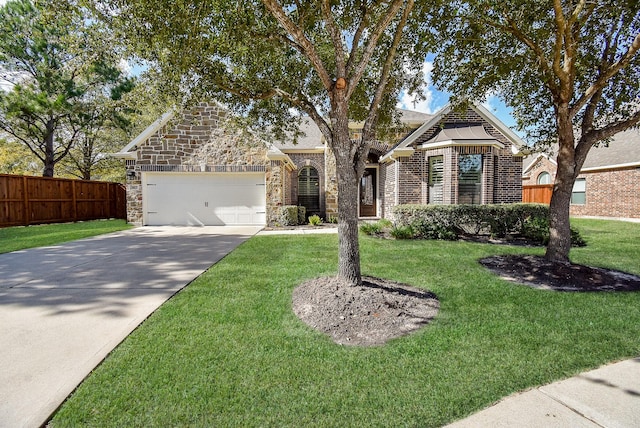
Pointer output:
x,y
123,65
492,102
424,103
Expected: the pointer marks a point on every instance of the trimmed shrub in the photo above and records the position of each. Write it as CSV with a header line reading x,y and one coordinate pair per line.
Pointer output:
x,y
288,215
302,214
537,230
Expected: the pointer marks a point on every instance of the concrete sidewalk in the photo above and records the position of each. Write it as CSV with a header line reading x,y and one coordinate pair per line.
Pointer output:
x,y
606,397
64,308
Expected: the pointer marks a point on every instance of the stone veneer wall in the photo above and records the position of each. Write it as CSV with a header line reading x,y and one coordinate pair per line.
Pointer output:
x,y
201,141
387,188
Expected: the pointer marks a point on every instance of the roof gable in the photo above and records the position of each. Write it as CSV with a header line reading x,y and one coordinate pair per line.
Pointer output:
x,y
404,146
622,151
127,151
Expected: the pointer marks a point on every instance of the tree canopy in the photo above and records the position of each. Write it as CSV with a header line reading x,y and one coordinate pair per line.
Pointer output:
x,y
568,68
54,60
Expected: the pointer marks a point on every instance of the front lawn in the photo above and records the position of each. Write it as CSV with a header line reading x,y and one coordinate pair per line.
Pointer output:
x,y
228,351
20,238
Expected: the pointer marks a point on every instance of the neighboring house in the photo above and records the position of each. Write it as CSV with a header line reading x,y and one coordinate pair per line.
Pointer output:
x,y
195,170
609,182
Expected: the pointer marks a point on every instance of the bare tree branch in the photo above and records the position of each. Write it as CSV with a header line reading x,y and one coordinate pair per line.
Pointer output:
x,y
371,121
336,39
309,50
376,33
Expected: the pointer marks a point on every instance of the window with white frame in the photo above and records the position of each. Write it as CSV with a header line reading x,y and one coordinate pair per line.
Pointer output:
x,y
436,179
579,192
544,178
470,179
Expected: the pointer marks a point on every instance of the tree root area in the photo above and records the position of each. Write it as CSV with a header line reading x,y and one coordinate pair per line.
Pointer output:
x,y
538,272
366,315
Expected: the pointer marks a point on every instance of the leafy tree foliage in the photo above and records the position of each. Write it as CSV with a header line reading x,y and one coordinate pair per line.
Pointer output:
x,y
569,69
272,61
109,122
58,64
15,158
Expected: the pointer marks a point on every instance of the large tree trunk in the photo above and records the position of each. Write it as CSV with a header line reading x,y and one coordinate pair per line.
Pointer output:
x,y
348,245
49,153
559,223
347,174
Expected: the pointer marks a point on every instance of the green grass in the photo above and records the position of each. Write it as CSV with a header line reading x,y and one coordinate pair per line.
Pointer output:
x,y
20,238
228,351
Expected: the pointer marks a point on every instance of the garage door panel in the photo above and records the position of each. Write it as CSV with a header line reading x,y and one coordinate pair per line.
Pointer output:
x,y
204,199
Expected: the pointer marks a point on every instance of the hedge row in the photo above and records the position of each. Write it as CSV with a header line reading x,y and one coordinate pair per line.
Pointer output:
x,y
530,221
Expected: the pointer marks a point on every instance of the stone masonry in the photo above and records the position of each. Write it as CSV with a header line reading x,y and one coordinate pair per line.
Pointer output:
x,y
202,140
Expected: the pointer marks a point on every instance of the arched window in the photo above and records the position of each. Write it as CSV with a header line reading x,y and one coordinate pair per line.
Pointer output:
x,y
544,178
309,190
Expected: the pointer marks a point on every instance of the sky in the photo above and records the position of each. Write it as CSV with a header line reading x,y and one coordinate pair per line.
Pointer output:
x,y
435,99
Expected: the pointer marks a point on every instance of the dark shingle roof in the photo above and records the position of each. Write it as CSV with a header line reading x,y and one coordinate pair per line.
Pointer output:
x,y
623,149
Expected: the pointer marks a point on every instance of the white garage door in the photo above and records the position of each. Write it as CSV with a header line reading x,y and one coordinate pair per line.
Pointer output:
x,y
204,199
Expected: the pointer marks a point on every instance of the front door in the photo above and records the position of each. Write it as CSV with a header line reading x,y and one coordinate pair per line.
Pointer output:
x,y
369,193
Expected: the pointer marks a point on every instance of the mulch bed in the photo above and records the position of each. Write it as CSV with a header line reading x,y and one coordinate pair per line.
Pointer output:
x,y
538,272
367,315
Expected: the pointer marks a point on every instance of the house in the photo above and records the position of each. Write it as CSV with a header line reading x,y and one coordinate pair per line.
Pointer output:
x,y
609,182
192,169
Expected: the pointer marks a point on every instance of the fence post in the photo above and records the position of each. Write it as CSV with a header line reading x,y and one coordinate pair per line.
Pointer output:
x,y
112,201
25,198
75,200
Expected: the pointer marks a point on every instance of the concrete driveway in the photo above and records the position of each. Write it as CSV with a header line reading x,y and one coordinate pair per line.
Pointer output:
x,y
64,308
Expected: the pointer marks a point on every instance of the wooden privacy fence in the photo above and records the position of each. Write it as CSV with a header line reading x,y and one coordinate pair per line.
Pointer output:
x,y
538,193
26,200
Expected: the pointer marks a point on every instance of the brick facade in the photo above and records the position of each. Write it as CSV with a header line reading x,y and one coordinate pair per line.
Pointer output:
x,y
301,160
501,170
613,192
541,165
